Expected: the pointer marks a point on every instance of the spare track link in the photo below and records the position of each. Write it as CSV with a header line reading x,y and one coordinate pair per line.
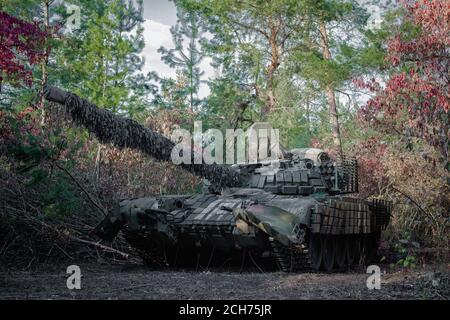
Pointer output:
x,y
290,259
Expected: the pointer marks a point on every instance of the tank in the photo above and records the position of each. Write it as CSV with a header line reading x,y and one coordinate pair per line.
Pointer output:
x,y
293,213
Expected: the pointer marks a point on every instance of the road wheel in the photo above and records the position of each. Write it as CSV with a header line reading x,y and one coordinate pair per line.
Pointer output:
x,y
315,251
340,252
328,253
352,248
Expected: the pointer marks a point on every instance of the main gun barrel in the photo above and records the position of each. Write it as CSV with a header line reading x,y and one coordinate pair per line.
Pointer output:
x,y
127,133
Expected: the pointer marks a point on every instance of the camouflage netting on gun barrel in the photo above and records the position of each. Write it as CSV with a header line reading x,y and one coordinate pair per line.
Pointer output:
x,y
127,133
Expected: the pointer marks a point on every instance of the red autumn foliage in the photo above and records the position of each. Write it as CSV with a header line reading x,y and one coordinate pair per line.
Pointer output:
x,y
415,101
21,44
369,154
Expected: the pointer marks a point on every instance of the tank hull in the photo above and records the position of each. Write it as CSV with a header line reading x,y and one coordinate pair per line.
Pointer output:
x,y
290,232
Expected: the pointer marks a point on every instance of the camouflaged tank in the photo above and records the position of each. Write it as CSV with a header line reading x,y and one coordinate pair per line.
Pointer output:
x,y
293,213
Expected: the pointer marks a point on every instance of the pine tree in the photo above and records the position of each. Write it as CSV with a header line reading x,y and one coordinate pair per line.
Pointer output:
x,y
328,58
101,61
261,33
186,58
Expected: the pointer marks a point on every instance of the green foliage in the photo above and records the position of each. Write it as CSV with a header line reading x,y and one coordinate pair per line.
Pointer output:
x,y
408,262
25,9
32,153
344,22
227,98
407,258
186,60
310,65
292,116
62,199
101,61
250,43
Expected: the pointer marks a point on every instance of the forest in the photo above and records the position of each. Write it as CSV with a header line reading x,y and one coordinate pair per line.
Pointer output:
x,y
326,73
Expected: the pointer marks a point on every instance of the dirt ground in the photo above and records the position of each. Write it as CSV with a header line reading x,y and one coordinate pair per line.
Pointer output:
x,y
136,282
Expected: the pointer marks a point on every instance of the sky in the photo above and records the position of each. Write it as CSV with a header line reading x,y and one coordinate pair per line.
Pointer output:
x,y
159,16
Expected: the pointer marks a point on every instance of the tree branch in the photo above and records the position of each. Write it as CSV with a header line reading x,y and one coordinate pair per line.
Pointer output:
x,y
98,206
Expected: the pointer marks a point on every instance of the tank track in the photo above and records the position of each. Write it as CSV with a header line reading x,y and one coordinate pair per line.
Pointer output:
x,y
149,254
291,259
